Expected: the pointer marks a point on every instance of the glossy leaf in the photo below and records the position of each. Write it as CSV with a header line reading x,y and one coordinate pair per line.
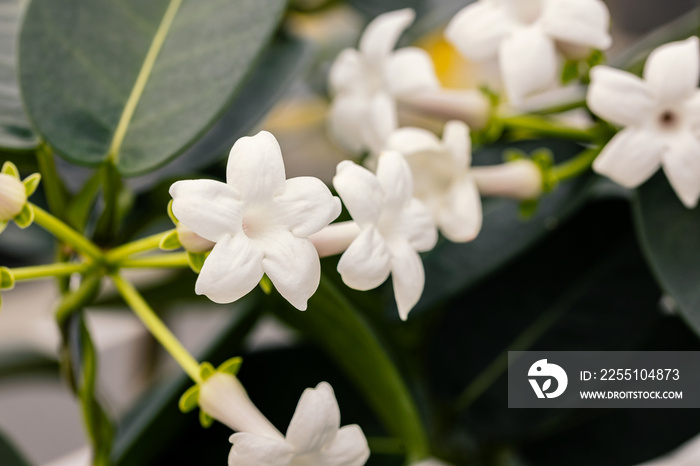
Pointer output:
x,y
670,234
136,82
15,131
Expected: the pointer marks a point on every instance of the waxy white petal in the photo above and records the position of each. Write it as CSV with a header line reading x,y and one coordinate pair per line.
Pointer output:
x,y
409,140
360,191
348,72
456,139
347,118
348,449
380,36
380,121
293,266
366,263
478,29
631,157
255,167
578,22
316,420
407,275
255,450
306,206
209,208
681,162
672,71
13,197
461,215
528,63
417,225
395,178
618,96
410,70
232,269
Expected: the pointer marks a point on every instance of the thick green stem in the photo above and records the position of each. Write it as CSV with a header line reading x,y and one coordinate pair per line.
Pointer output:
x,y
141,245
157,328
66,234
161,261
574,167
59,269
546,127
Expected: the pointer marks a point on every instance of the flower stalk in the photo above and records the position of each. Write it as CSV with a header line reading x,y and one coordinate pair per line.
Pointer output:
x,y
66,234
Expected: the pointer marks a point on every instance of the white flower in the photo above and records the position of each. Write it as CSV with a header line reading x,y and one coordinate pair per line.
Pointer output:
x,y
260,223
394,227
442,178
314,436
13,197
360,78
661,116
524,35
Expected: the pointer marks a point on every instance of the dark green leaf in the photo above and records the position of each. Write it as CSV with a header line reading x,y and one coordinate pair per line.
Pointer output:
x,y
136,82
670,236
15,131
9,455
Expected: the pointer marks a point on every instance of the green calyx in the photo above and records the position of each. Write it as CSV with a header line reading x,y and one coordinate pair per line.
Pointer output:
x,y
190,399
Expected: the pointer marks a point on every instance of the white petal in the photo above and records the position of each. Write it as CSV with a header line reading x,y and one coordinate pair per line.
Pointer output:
x,y
691,110
672,70
380,121
619,96
631,157
360,191
394,175
407,275
346,120
478,29
456,140
410,70
578,22
293,267
348,449
366,263
409,141
254,450
306,205
381,35
209,208
255,167
348,72
316,420
416,225
681,164
13,196
528,63
231,270
461,216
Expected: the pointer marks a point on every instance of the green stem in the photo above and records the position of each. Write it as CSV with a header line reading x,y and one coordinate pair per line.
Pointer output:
x,y
547,127
560,108
575,166
78,299
161,261
55,191
141,245
59,269
156,326
66,234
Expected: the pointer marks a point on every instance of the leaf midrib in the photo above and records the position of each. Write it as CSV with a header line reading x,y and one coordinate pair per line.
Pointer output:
x,y
141,80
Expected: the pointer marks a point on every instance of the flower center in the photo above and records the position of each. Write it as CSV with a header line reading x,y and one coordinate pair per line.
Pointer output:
x,y
669,120
255,223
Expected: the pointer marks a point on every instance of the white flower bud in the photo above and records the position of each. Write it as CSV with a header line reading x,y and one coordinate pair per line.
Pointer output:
x,y
13,196
191,241
520,179
468,105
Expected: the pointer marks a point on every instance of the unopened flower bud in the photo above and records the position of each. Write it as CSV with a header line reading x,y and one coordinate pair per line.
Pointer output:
x,y
191,241
519,179
468,105
13,197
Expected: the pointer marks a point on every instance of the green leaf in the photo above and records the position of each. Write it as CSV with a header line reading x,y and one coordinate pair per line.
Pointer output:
x,y
670,236
170,242
15,132
25,217
136,82
31,183
333,323
9,455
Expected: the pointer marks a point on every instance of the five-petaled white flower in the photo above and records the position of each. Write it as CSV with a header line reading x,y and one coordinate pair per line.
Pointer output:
x,y
441,177
661,115
394,227
260,223
314,436
524,35
364,80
